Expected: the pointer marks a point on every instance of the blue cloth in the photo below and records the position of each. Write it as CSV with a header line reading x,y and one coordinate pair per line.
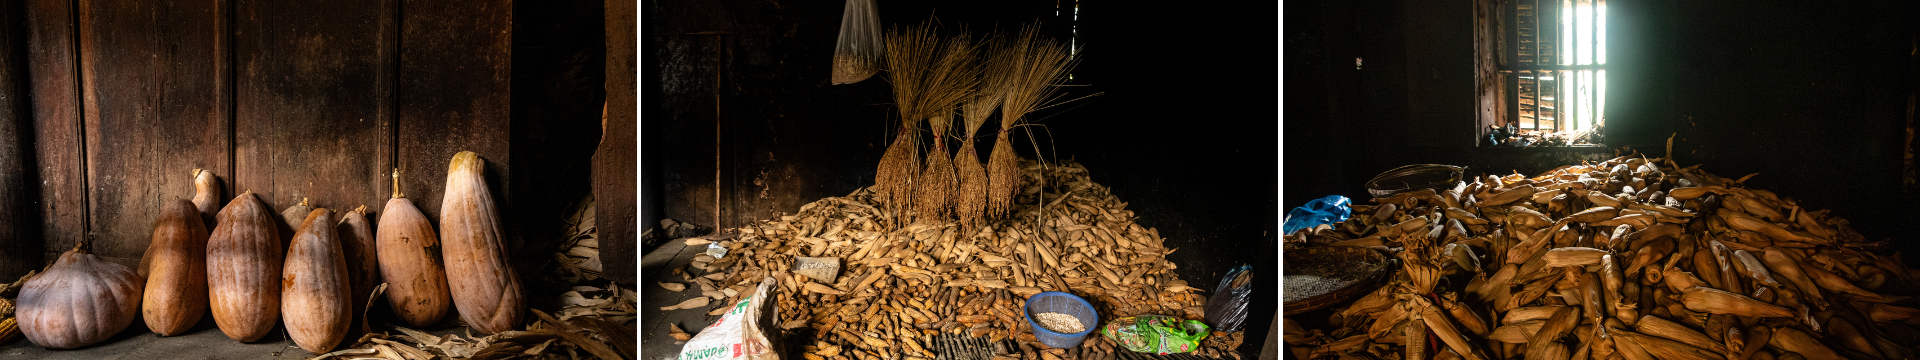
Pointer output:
x,y
1327,210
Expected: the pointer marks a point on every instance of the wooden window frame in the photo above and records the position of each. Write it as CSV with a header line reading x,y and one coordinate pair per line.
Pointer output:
x,y
1515,54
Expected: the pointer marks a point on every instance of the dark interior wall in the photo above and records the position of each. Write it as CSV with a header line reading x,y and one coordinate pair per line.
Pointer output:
x,y
559,77
1184,132
289,101
1812,96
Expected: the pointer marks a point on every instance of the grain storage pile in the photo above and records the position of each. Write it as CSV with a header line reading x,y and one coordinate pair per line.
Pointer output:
x,y
901,286
1631,258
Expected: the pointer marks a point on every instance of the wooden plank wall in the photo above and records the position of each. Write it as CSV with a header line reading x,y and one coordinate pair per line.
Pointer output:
x,y
454,90
17,198
313,118
288,99
155,94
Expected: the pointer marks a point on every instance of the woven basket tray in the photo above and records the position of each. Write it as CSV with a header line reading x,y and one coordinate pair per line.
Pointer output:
x,y
1414,177
1322,276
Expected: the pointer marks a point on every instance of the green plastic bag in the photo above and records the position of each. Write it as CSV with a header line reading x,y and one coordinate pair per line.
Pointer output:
x,y
1156,334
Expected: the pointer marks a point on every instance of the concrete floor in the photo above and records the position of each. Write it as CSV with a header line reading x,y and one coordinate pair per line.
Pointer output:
x,y
205,342
655,344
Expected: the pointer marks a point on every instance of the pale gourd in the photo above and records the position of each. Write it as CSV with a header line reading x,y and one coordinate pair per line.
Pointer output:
x,y
485,288
81,300
363,262
410,262
244,260
176,270
206,195
315,294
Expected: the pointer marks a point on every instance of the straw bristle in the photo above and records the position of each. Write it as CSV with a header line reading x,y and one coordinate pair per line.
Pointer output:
x,y
997,68
1034,79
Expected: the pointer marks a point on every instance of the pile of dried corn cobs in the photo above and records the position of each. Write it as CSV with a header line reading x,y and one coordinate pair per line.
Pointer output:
x,y
1626,259
901,286
9,326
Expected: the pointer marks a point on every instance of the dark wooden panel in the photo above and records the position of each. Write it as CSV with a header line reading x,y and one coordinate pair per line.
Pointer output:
x,y
312,108
58,156
155,89
688,75
453,94
614,164
20,244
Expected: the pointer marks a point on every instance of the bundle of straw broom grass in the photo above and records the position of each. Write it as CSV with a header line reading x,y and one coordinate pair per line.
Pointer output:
x,y
929,79
957,77
1036,70
970,204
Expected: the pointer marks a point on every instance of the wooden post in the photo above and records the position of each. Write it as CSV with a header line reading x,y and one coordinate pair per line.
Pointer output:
x,y
614,162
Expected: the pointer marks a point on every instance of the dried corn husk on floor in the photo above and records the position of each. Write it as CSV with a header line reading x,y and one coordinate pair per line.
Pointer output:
x,y
579,258
580,338
1631,257
902,286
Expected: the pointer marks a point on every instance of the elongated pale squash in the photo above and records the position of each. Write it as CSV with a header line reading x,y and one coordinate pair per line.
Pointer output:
x,y
361,250
485,287
176,271
410,262
244,260
206,195
290,219
315,288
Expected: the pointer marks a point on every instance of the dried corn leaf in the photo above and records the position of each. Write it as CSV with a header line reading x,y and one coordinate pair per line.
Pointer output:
x,y
677,333
689,304
674,287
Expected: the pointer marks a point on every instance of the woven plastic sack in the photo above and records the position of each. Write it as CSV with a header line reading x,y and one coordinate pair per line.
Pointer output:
x,y
1227,308
745,332
1327,210
1155,334
858,54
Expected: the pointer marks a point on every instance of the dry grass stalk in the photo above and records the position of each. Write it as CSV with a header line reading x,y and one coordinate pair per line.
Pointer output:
x,y
1038,68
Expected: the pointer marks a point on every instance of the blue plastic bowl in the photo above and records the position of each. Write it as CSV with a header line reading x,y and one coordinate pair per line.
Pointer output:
x,y
1059,302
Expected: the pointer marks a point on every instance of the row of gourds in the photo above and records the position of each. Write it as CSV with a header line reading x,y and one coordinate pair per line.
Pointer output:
x,y
240,272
